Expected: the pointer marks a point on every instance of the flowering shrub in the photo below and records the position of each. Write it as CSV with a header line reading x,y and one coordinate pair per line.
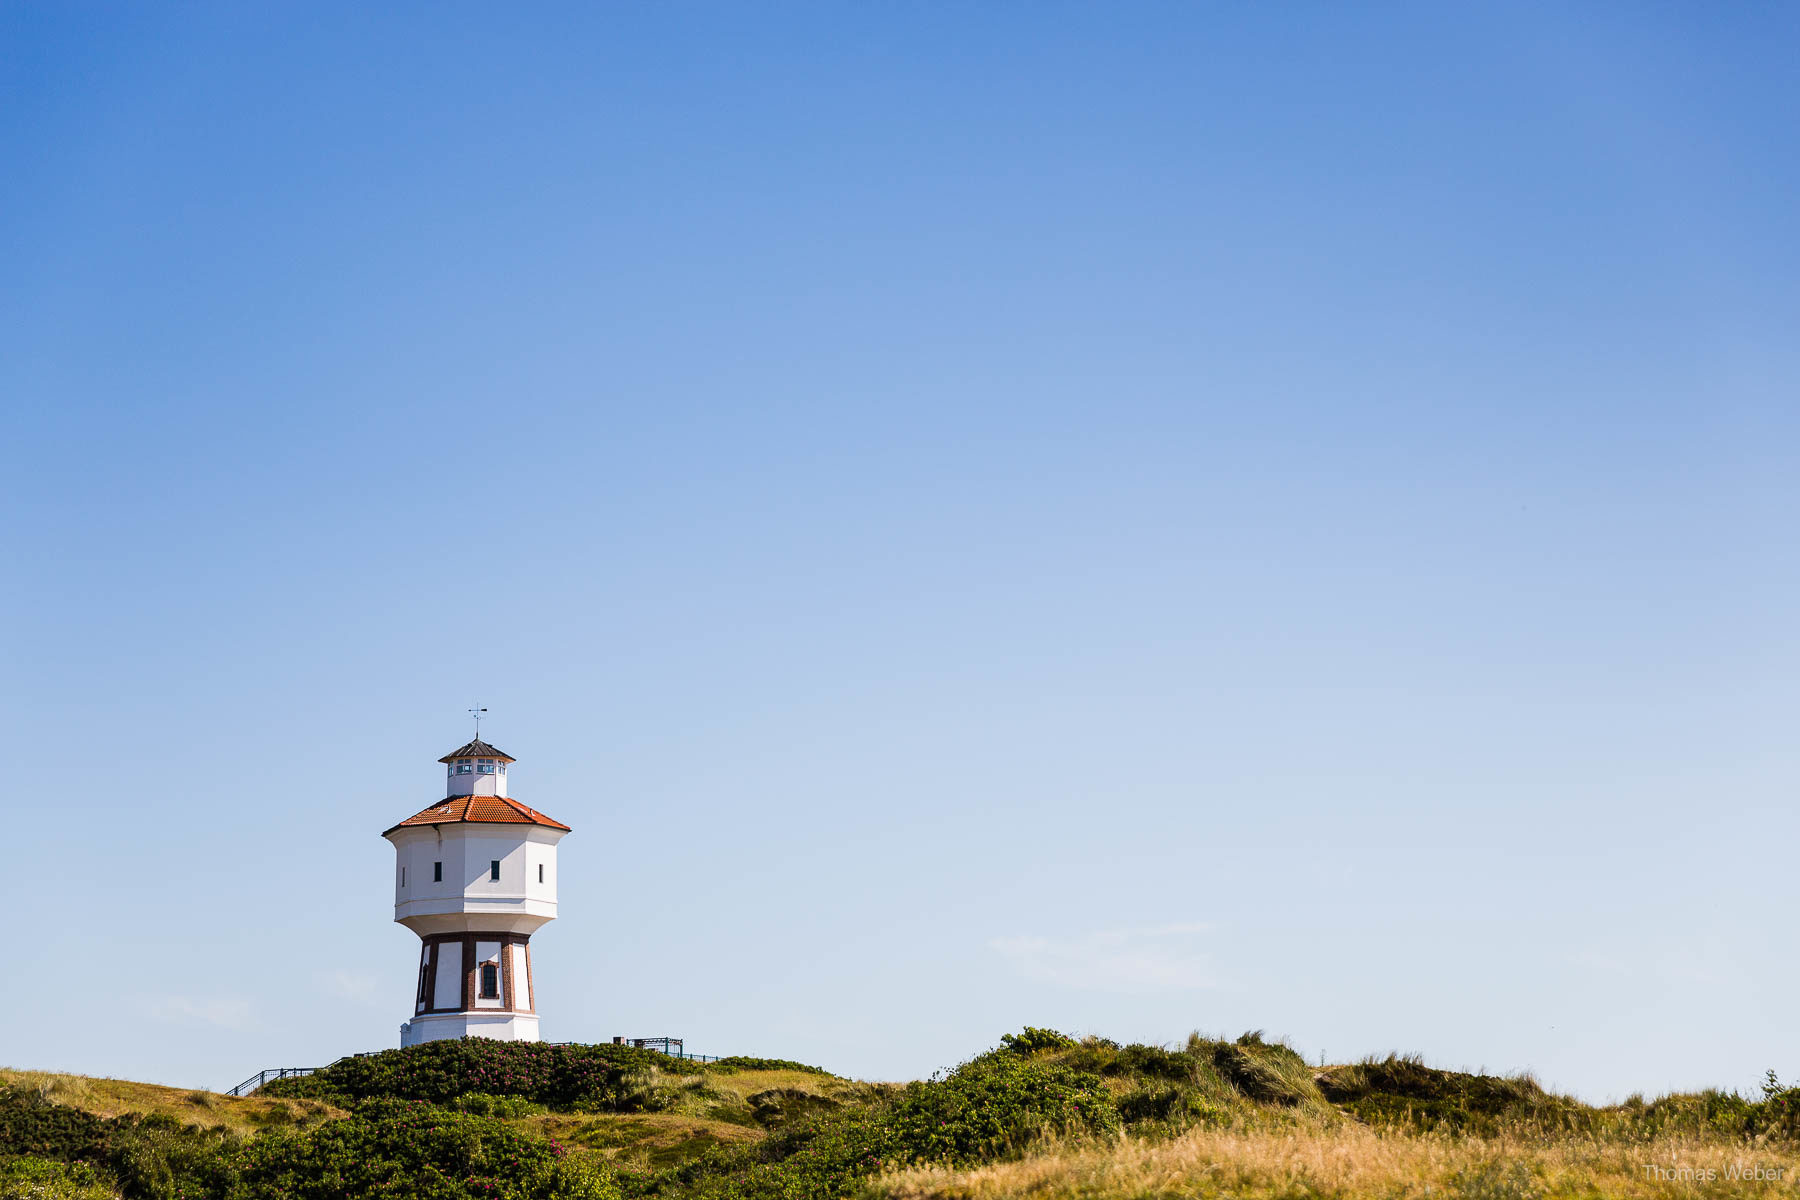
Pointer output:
x,y
604,1078
49,1179
396,1148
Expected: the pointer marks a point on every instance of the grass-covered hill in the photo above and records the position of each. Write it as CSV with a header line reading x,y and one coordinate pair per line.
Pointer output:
x,y
1041,1116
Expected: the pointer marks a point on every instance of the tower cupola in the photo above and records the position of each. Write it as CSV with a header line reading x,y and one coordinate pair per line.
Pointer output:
x,y
476,769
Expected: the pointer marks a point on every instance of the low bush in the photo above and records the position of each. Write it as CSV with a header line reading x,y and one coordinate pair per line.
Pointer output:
x,y
1403,1090
32,1178
145,1157
1031,1040
30,1125
740,1062
481,1104
991,1107
392,1148
599,1078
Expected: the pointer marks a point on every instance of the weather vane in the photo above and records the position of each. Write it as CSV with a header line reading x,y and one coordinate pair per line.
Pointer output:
x,y
476,713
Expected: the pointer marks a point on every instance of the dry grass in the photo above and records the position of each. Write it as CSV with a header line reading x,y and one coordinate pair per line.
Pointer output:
x,y
744,1084
1343,1160
114,1097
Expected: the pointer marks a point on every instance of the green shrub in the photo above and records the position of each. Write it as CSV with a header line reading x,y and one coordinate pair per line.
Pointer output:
x,y
1032,1040
1153,1062
1403,1090
991,1107
601,1078
391,1148
740,1062
481,1104
32,1178
147,1157
33,1126
1153,1102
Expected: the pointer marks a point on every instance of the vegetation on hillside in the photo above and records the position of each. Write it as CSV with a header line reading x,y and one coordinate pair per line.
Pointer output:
x,y
1043,1115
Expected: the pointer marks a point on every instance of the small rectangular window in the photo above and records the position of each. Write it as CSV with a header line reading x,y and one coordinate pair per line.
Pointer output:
x,y
494,870
540,872
437,872
490,981
462,768
402,876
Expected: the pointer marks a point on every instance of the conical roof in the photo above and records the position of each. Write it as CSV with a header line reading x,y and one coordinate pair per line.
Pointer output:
x,y
496,810
477,749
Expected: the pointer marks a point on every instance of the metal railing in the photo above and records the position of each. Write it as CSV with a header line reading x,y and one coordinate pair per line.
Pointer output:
x,y
261,1077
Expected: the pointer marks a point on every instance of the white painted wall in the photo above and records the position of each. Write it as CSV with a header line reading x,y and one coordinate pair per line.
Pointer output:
x,y
521,979
449,977
507,1027
515,903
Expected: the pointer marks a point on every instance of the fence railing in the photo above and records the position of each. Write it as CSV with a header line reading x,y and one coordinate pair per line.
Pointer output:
x,y
261,1077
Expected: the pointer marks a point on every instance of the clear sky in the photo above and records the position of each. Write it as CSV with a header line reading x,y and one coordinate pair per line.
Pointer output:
x,y
1128,517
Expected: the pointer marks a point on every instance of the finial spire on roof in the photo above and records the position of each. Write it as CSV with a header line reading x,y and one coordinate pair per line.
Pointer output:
x,y
476,713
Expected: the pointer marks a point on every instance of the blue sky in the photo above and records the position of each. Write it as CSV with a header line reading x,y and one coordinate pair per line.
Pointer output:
x,y
1133,518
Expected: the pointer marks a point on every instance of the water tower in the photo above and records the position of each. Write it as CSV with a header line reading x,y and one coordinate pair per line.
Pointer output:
x,y
475,877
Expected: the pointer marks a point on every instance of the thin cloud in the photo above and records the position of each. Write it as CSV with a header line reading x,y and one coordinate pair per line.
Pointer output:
x,y
1156,958
220,1012
356,986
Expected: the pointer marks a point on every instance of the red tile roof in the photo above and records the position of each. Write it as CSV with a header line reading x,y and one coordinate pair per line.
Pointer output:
x,y
499,810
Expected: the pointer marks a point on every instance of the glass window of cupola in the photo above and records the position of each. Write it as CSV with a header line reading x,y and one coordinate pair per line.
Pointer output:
x,y
485,766
464,767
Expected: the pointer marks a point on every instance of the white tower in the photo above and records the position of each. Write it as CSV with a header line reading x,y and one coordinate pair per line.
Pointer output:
x,y
475,877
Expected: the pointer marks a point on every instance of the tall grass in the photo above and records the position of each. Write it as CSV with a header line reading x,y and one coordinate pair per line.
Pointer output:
x,y
1315,1157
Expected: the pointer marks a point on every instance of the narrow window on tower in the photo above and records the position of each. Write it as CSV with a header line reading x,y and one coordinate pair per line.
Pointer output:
x,y
402,876
490,981
540,872
494,870
437,872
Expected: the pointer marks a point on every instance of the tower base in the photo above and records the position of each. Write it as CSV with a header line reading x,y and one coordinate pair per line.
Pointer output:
x,y
504,1027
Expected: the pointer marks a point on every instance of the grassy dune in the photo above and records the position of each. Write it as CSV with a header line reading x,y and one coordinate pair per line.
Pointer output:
x,y
705,1112
1042,1117
117,1097
1341,1159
